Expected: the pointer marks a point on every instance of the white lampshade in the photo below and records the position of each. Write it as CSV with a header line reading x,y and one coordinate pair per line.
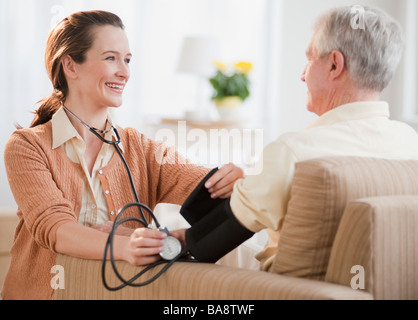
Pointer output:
x,y
198,54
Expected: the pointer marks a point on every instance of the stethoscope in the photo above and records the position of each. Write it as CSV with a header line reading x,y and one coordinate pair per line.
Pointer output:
x,y
172,250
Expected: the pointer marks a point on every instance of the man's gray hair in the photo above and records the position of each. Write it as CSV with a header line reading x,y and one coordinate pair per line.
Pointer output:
x,y
370,40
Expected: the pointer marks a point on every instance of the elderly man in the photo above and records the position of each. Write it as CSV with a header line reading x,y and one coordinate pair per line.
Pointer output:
x,y
346,71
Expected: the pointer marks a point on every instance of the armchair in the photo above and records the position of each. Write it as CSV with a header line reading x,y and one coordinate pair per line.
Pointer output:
x,y
351,232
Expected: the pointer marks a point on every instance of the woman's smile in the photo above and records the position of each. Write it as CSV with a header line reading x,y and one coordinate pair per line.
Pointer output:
x,y
116,87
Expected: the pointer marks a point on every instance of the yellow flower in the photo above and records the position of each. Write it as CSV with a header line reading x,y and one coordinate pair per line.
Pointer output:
x,y
219,65
244,67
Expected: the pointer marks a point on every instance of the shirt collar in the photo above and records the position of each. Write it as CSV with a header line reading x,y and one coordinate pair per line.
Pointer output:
x,y
353,111
63,130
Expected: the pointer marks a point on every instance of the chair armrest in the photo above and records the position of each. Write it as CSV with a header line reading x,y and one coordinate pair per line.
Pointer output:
x,y
193,281
380,234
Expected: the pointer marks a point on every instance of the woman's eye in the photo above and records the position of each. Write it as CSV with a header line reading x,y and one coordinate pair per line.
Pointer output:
x,y
112,58
128,60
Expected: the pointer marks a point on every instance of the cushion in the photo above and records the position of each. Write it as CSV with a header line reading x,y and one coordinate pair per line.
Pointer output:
x,y
320,192
193,281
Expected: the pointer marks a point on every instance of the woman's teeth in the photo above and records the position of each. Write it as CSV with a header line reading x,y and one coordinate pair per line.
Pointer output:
x,y
114,86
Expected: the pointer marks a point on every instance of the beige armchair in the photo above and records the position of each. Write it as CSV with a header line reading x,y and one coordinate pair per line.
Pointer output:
x,y
351,232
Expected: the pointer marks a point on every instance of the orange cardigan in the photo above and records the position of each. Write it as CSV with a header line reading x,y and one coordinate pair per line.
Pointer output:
x,y
47,187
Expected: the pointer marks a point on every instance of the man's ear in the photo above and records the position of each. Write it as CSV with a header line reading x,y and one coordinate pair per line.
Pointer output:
x,y
337,64
69,67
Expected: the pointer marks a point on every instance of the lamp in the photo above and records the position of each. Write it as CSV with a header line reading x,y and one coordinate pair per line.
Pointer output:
x,y
197,56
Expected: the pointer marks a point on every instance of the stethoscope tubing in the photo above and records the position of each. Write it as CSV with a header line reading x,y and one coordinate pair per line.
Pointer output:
x,y
109,247
135,193
116,223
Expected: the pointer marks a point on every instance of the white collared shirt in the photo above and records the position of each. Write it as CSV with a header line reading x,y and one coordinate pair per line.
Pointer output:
x,y
360,129
94,209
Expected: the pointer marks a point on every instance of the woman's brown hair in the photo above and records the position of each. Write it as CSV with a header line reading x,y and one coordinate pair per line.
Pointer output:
x,y
73,37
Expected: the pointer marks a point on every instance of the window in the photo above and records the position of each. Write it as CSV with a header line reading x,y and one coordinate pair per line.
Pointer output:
x,y
410,111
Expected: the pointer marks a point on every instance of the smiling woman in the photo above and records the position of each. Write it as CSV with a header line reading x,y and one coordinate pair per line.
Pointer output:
x,y
67,45
102,76
66,181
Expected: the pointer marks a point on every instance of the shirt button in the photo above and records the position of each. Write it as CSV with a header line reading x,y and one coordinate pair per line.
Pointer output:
x,y
107,192
100,171
112,213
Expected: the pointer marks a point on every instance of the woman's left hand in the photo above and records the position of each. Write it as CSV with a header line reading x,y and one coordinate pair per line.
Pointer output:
x,y
180,235
221,184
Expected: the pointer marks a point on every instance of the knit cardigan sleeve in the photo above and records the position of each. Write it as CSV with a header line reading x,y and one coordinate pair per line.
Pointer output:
x,y
40,201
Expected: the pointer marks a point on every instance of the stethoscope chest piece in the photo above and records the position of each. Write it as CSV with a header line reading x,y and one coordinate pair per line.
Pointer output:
x,y
171,248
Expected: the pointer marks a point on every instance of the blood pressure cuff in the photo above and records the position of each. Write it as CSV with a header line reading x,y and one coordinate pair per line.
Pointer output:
x,y
214,229
199,203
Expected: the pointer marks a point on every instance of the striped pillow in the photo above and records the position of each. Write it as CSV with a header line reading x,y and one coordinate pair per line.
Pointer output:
x,y
320,192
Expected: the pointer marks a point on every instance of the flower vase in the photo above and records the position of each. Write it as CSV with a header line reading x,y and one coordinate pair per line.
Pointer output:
x,y
228,107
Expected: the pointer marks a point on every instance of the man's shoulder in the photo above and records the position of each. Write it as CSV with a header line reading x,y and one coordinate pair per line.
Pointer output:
x,y
405,127
302,137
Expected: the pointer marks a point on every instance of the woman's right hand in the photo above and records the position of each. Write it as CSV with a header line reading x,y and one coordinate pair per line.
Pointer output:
x,y
144,245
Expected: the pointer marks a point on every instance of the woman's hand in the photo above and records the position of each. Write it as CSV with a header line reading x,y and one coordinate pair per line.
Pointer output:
x,y
141,247
144,246
180,235
221,184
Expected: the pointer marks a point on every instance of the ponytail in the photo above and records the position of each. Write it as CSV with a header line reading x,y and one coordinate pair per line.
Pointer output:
x,y
48,107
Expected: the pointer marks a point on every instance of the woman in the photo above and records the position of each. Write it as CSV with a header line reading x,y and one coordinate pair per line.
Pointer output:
x,y
67,183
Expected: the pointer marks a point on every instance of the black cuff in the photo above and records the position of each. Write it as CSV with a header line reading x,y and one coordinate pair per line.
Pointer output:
x,y
199,203
215,234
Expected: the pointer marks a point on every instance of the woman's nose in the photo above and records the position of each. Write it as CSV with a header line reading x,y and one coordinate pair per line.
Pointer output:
x,y
124,71
303,75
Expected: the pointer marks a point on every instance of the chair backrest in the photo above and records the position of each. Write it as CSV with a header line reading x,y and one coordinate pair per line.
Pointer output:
x,y
376,248
320,192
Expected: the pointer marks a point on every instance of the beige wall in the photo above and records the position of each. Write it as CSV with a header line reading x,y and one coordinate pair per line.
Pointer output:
x,y
298,18
287,37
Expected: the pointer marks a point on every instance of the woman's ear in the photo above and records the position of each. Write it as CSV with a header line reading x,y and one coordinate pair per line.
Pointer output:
x,y
337,64
69,67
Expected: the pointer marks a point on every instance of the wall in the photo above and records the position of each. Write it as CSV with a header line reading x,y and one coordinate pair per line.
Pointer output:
x,y
287,32
298,19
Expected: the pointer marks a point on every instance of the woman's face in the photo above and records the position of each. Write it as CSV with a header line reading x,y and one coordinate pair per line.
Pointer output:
x,y
102,77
